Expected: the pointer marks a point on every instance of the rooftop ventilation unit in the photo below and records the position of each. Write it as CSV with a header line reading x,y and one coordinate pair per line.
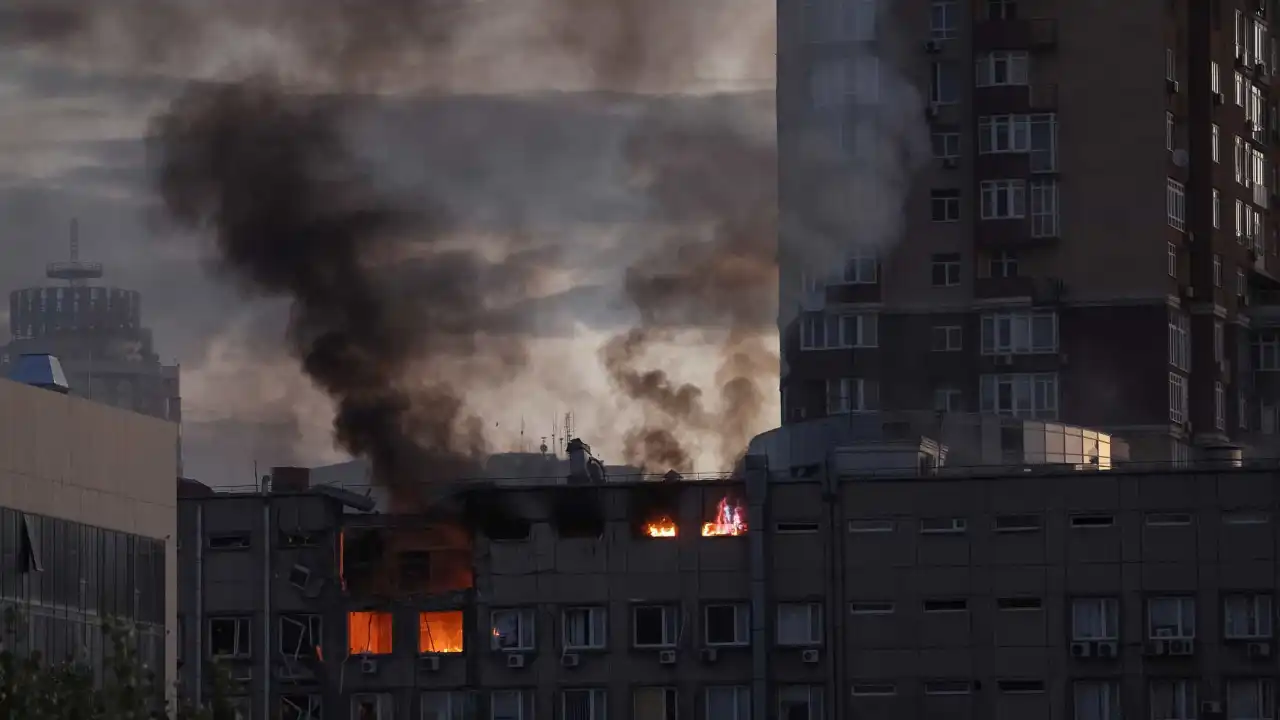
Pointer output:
x,y
40,370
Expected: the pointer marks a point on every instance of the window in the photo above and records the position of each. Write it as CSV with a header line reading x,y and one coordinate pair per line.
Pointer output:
x,y
1217,270
1215,146
727,624
1241,220
1004,264
584,628
1019,687
945,269
300,635
824,331
945,205
1096,700
1251,699
1240,85
1004,134
1170,65
1240,155
1242,285
947,338
1168,130
944,86
1179,341
583,704
850,395
301,707
1044,142
1266,351
840,20
1016,523
1173,260
1095,619
1164,519
730,702
655,626
229,637
1242,409
237,541
1002,9
1002,67
1044,208
1030,395
512,629
1247,616
1003,199
949,605
874,689
441,631
841,82
506,705
446,705
1092,521
940,526
1242,39
1177,398
1173,700
1219,406
1012,604
800,702
947,687
948,400
1171,618
944,20
370,633
1217,208
655,703
799,624
871,608
372,706
871,525
1176,199
795,528
860,268
1019,332
946,145
1246,517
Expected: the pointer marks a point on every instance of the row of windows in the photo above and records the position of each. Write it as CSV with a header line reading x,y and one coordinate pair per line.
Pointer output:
x,y
1028,395
1034,522
1004,200
1021,332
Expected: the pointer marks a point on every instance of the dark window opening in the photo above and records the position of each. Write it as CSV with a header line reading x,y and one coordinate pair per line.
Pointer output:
x,y
30,550
1081,521
229,542
577,514
1017,523
655,626
299,539
1021,686
726,624
299,576
230,637
508,529
946,605
1019,603
795,528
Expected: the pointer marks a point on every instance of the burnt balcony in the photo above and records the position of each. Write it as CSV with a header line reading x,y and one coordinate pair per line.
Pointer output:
x,y
1030,34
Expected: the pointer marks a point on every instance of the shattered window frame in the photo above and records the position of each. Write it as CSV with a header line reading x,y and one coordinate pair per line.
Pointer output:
x,y
312,627
525,639
301,707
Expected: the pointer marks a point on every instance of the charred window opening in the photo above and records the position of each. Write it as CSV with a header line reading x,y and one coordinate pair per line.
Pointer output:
x,y
577,514
236,541
507,529
300,635
654,511
490,513
369,633
440,632
727,518
299,539
403,561
415,568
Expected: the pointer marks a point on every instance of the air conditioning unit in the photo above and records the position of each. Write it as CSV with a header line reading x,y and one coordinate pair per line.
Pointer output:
x,y
515,660
710,655
951,163
1173,87
1157,648
809,656
933,47
666,657
1211,707
1219,99
1081,649
430,662
1259,650
570,660
1107,649
368,666
1182,647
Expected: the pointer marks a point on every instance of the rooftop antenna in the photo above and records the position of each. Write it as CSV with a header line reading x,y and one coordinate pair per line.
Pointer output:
x,y
522,445
74,272
568,426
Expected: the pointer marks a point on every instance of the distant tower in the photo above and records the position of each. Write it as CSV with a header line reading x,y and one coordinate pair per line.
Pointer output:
x,y
75,272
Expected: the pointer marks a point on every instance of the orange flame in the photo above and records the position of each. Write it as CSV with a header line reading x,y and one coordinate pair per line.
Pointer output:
x,y
663,527
730,520
440,632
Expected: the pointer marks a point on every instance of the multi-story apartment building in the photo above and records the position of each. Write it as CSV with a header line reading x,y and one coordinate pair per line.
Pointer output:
x,y
87,523
804,592
1057,261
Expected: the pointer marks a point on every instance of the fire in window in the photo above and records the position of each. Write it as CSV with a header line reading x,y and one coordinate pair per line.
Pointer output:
x,y
369,633
440,632
661,527
730,519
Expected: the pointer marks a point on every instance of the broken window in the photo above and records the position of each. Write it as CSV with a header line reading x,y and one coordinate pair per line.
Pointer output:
x,y
299,576
300,635
655,626
30,552
372,706
445,705
576,513
301,707
654,510
440,632
229,637
369,633
512,629
507,529
234,541
727,520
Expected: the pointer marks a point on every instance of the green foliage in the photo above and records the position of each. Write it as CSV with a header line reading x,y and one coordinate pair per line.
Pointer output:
x,y
33,689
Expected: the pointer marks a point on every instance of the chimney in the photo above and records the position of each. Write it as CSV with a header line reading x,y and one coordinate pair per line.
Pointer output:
x,y
583,468
40,370
290,479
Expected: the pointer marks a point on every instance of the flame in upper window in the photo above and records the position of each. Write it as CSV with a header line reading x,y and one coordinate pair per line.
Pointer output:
x,y
662,527
730,519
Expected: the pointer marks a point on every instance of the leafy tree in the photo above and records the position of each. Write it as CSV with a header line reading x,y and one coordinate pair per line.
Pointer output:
x,y
33,689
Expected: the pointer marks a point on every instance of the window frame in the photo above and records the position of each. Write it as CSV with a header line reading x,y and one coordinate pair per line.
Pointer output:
x,y
1186,627
1108,609
741,625
597,622
816,624
524,616
671,623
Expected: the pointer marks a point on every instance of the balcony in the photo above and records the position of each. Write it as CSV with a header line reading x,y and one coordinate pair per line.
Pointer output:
x,y
1016,99
1042,290
1033,34
1264,308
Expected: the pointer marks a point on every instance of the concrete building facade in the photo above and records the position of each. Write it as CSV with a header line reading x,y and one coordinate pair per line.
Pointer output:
x,y
813,592
88,526
1057,261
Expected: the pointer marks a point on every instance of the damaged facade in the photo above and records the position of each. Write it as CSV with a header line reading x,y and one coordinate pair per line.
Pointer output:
x,y
811,591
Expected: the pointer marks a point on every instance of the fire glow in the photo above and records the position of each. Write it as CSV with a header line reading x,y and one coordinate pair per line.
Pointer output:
x,y
663,527
730,520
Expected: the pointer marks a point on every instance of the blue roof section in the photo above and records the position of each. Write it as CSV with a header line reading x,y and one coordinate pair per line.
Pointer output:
x,y
42,371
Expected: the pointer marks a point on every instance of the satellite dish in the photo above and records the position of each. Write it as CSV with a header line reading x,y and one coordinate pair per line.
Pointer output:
x,y
1180,158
